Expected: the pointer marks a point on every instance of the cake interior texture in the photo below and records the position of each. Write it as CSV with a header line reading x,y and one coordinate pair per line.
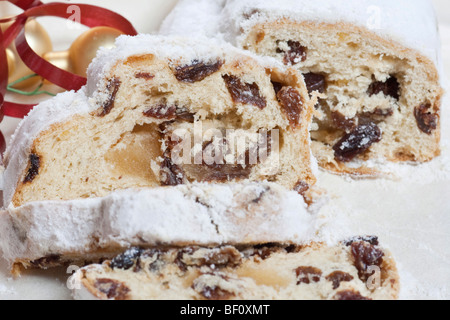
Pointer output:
x,y
268,271
379,99
147,105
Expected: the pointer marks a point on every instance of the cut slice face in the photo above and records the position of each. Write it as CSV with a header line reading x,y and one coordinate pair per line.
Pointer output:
x,y
378,100
357,270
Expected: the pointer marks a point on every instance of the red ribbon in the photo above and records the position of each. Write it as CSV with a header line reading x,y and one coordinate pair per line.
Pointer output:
x,y
91,16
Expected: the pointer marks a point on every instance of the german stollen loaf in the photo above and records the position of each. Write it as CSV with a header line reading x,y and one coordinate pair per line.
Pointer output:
x,y
173,141
51,233
376,64
163,111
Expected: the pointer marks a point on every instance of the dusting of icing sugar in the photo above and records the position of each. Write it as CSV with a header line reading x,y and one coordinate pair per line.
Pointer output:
x,y
5,291
205,214
416,28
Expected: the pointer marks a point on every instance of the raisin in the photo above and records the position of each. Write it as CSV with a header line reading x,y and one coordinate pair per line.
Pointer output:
x,y
223,172
426,121
337,277
247,93
154,254
373,240
171,174
214,171
144,75
266,250
389,88
223,257
291,102
197,71
211,291
357,142
184,115
315,82
350,295
342,122
216,293
112,87
301,187
162,111
179,261
365,256
296,53
307,275
126,260
33,169
113,289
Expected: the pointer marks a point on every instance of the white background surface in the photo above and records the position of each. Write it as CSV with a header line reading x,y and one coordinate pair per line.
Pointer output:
x,y
411,215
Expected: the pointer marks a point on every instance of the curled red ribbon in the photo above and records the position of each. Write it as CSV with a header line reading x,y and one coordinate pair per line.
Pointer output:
x,y
91,16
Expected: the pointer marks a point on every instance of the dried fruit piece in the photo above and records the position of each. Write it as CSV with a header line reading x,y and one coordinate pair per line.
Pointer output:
x,y
357,142
126,260
337,277
219,258
295,54
426,120
144,75
112,87
162,111
373,240
389,88
222,172
33,168
223,257
184,115
315,82
350,295
266,250
366,255
247,93
340,121
170,173
308,275
197,71
291,102
113,289
212,292
302,187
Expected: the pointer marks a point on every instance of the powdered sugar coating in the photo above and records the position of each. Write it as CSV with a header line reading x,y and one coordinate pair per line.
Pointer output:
x,y
411,23
202,214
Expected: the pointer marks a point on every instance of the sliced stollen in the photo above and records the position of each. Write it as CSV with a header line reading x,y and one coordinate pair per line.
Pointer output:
x,y
375,64
51,233
163,111
355,270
